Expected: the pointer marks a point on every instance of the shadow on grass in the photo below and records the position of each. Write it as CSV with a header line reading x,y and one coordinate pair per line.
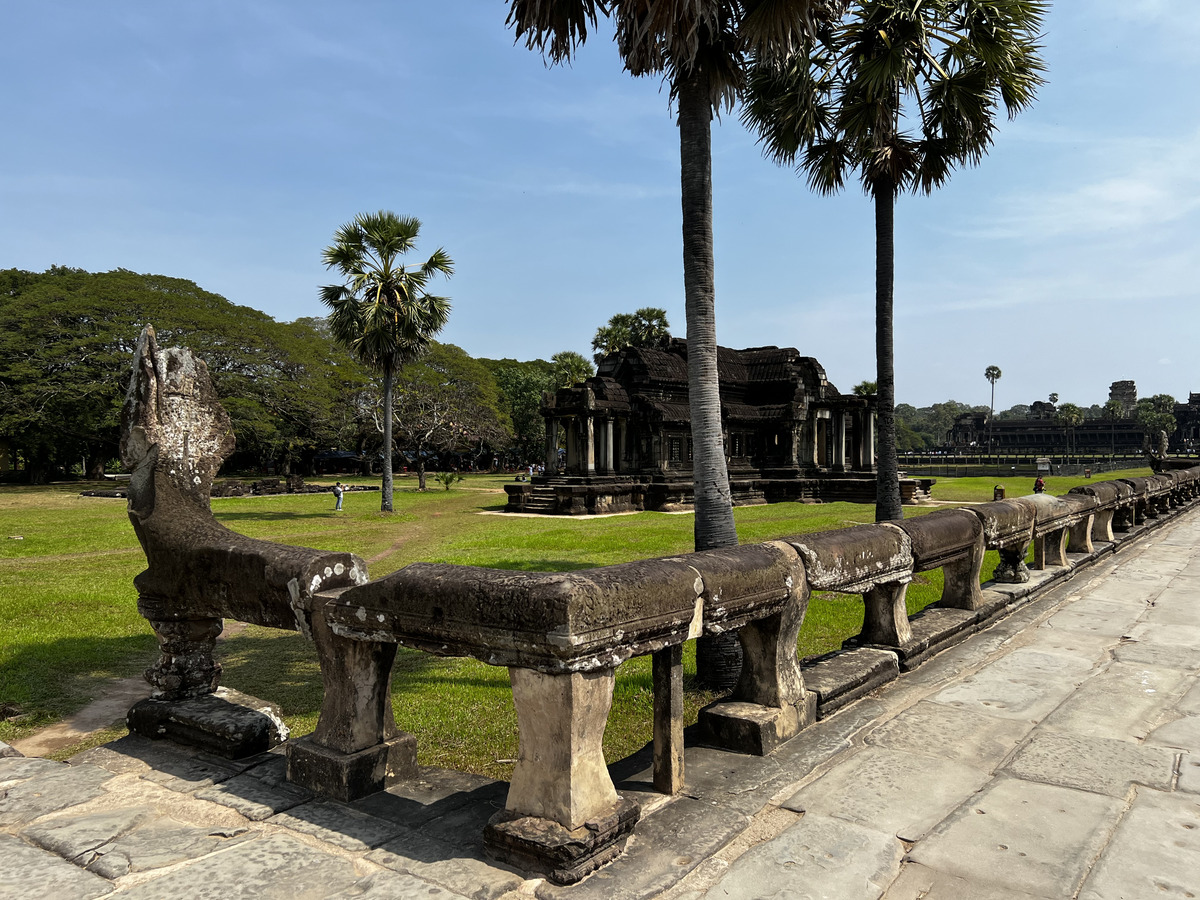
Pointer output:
x,y
282,516
543,565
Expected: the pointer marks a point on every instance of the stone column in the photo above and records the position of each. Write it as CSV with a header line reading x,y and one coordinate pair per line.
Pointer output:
x,y
572,444
563,816
589,446
869,440
839,441
609,464
551,445
624,437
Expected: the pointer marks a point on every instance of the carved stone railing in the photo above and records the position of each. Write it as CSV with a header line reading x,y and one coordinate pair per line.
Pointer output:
x,y
562,636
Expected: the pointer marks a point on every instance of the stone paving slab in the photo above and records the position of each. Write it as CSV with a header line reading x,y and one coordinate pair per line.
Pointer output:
x,y
1036,838
919,883
8,751
470,874
434,793
275,867
1098,617
20,768
951,733
1182,734
662,850
1189,776
120,842
337,824
1170,656
47,793
254,798
1026,684
902,794
28,872
1154,853
1102,765
818,858
1123,702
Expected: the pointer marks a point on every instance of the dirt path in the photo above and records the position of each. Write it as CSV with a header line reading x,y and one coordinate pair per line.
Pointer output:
x,y
103,712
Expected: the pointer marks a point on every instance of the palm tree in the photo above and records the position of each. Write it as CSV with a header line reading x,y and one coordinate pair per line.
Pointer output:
x,y
1113,410
648,327
383,312
702,48
843,102
570,368
992,374
1071,417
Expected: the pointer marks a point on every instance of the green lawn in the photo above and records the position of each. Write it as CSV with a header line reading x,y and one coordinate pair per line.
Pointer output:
x,y
69,621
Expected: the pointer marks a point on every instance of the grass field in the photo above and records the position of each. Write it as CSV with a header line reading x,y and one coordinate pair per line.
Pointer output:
x,y
69,622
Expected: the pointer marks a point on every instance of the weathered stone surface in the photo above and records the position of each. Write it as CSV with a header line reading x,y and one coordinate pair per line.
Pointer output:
x,y
1189,774
1183,734
1121,703
337,824
274,867
45,793
126,841
7,751
393,886
1102,765
952,733
919,883
349,776
228,723
854,560
30,872
1154,853
464,872
563,855
254,798
1029,837
751,728
818,858
1026,684
891,791
189,773
1170,656
663,849
18,768
842,677
1097,617
433,794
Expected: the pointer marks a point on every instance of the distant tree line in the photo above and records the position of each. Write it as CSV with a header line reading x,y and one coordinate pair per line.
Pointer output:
x,y
67,338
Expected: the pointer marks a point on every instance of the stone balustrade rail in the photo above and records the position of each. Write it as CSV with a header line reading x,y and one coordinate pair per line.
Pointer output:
x,y
563,635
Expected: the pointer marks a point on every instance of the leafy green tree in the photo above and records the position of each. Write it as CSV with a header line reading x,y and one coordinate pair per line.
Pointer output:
x,y
521,387
383,312
1156,415
446,402
992,374
1070,416
1112,412
866,389
647,327
570,368
845,102
67,339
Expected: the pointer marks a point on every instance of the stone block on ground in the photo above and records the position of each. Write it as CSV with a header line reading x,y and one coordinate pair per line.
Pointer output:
x,y
255,798
228,723
434,793
891,791
7,751
1155,851
337,824
919,883
1101,765
351,776
818,858
1030,837
665,847
842,677
30,872
750,728
43,794
949,732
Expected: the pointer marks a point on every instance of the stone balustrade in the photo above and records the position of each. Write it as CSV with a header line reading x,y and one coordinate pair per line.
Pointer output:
x,y
562,636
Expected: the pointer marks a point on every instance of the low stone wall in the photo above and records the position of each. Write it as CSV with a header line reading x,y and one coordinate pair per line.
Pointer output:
x,y
563,635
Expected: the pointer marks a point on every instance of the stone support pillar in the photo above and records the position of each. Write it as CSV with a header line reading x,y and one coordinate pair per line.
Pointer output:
x,y
589,446
563,816
885,620
1048,550
609,462
551,445
572,444
185,667
869,440
839,441
667,669
624,444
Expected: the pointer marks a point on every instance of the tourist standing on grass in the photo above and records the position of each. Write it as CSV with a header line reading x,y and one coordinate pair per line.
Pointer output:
x,y
338,490
1039,486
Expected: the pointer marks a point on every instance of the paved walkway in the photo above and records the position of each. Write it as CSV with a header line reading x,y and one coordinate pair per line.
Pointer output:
x,y
1055,755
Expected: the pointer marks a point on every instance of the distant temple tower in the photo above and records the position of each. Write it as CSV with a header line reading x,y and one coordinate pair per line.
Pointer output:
x,y
1126,393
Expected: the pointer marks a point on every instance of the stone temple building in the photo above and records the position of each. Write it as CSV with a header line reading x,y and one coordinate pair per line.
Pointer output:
x,y
789,434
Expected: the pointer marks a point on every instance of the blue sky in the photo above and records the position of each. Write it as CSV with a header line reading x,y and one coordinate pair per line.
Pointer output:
x,y
225,142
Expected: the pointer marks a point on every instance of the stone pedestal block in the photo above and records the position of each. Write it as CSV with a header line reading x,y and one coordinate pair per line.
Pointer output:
x,y
754,729
227,723
563,855
349,776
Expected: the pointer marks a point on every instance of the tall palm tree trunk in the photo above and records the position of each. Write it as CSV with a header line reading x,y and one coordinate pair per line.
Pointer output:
x,y
718,659
389,379
887,484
